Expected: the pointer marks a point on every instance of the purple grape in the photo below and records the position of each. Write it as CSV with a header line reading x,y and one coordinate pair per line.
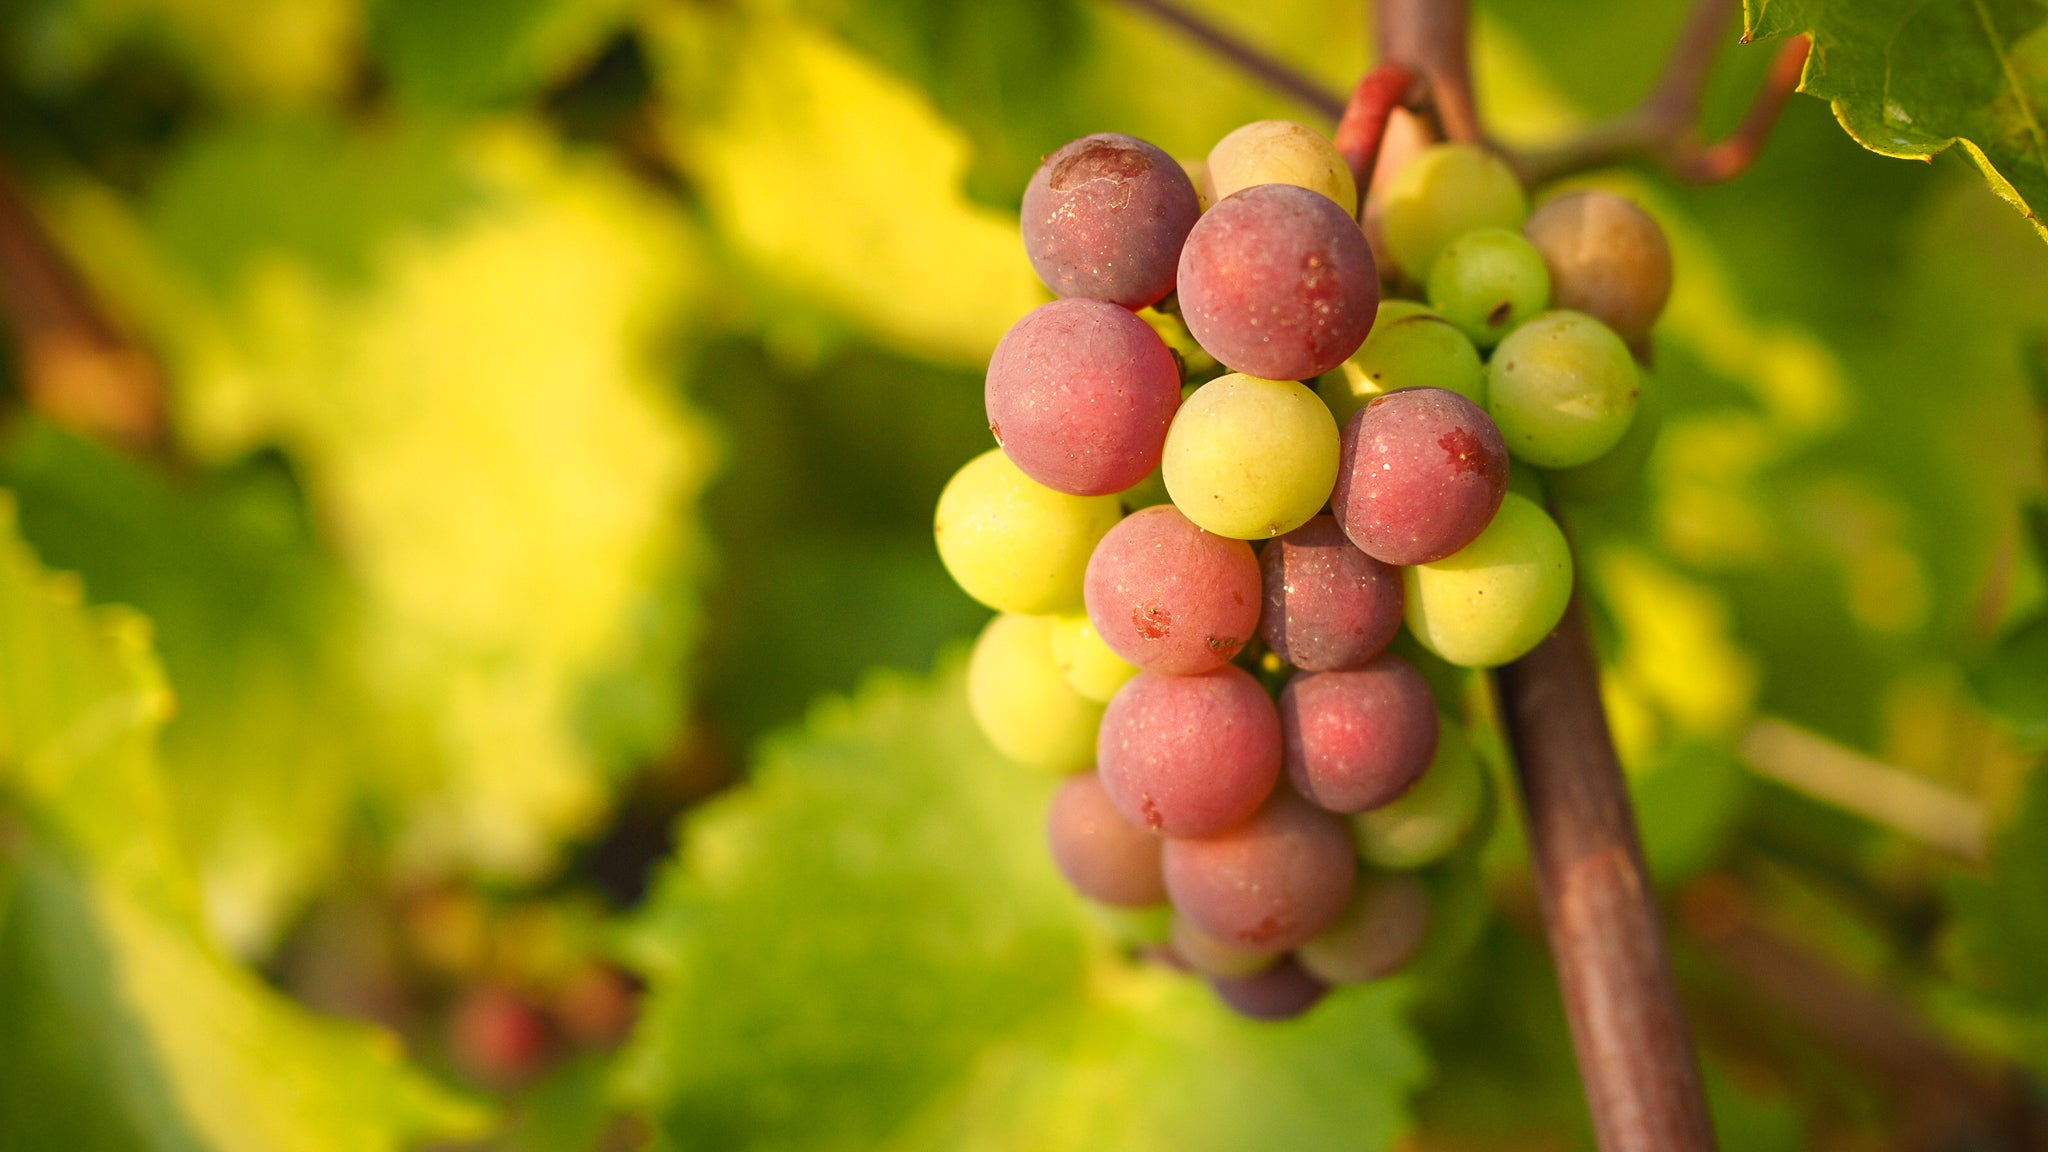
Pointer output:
x,y
1282,992
1421,474
1190,755
1328,605
1272,882
1080,394
1105,217
1104,856
1356,740
1277,281
1169,597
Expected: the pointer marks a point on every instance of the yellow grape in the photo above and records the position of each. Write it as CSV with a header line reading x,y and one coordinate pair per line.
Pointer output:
x,y
1014,544
1023,703
1493,600
1250,458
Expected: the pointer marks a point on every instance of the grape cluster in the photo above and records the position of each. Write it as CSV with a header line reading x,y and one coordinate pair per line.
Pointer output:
x,y
1269,777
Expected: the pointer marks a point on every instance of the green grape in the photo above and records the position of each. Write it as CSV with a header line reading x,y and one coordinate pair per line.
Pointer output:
x,y
1562,388
1088,664
1023,703
1250,458
1488,281
1280,152
1622,465
1409,347
1432,818
1493,600
1014,544
1445,192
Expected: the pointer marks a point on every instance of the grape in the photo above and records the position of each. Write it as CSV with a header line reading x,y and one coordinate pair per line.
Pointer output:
x,y
1445,192
1215,958
1488,281
1100,853
1024,705
1092,667
1433,817
1014,544
1617,469
1198,175
1272,882
1282,992
1145,493
1499,596
1327,605
1357,740
1079,396
1378,935
1190,755
1562,388
1409,347
1281,152
1169,597
1277,282
1607,259
1251,458
1105,218
1421,473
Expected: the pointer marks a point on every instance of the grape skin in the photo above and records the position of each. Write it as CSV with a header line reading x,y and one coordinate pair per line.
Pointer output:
x,y
1190,755
1098,851
1488,281
1281,152
1327,604
1277,282
1079,395
1433,817
1499,596
1251,458
1271,883
1023,703
1356,740
1409,347
1014,544
1282,992
1378,935
1091,666
1421,472
1616,470
1105,217
1607,258
1218,959
1169,597
1563,389
1443,193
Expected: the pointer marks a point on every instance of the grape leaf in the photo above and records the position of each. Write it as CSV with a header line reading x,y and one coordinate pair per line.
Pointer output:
x,y
1910,78
868,947
2013,676
126,1028
1998,929
458,53
254,52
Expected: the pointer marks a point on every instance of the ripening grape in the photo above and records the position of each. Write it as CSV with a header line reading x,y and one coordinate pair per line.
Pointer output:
x,y
1377,936
1607,258
1091,666
1327,605
1218,959
1079,395
1190,755
1420,474
1014,544
1169,597
1251,458
1499,596
1563,390
1105,217
1617,469
1358,739
1271,882
1409,347
1100,853
1433,817
1282,992
1443,193
1198,175
1488,281
1277,282
1281,152
1024,705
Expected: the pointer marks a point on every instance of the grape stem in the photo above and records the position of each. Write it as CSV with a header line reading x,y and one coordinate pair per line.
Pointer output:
x,y
1252,61
1388,86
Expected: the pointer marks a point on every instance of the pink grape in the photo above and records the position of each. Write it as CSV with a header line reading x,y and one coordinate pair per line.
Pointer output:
x,y
1273,882
1169,597
1357,740
1327,604
1104,856
1282,992
1080,394
1105,217
1190,755
1278,282
1420,475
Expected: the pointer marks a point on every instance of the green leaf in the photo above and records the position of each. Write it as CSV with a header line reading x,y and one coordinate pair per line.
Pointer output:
x,y
1909,78
2013,676
868,947
459,53
1999,920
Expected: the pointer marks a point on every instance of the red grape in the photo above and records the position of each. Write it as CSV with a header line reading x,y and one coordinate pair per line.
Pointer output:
x,y
1282,992
1105,857
1190,755
1104,218
1421,474
1080,394
1169,597
1328,605
1356,740
1272,882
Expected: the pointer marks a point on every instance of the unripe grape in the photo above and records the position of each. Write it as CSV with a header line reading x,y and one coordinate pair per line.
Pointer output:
x,y
1619,468
1442,194
1251,458
1488,281
1433,817
1281,152
1100,853
1499,596
1014,544
1409,347
1607,258
1563,390
1091,666
1023,703
1378,935
1105,217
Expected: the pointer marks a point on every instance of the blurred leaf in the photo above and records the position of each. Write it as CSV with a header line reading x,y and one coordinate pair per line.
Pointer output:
x,y
2013,676
253,53
458,53
1909,78
1998,929
867,946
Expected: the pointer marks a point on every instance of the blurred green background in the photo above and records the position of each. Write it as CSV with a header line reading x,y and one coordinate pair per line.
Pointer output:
x,y
474,434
